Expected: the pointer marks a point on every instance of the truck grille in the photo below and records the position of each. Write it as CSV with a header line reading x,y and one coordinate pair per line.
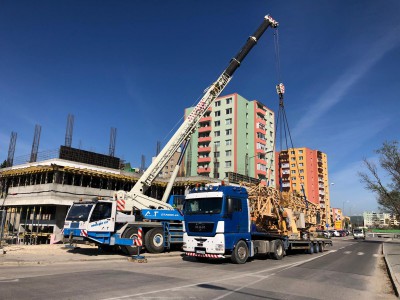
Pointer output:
x,y
201,227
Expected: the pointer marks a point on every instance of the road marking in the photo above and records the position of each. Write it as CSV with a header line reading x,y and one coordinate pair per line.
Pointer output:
x,y
283,267
7,280
360,253
347,252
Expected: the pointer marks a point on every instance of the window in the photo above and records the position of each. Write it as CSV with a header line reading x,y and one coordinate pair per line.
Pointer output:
x,y
293,171
294,185
302,177
228,121
217,103
228,142
301,171
217,133
217,123
217,143
229,101
228,111
216,165
216,154
228,164
293,178
236,204
301,158
217,113
301,164
101,211
300,151
293,165
292,152
293,159
228,131
228,153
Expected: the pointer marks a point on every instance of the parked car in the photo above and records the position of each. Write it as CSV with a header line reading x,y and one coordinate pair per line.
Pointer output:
x,y
342,233
334,233
324,233
358,234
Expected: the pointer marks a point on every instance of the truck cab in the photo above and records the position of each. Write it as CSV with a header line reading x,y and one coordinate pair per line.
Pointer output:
x,y
216,219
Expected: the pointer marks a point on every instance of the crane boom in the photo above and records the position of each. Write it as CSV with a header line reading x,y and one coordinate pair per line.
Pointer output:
x,y
189,125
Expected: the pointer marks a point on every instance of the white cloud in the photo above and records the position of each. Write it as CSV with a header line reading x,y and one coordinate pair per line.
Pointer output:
x,y
336,92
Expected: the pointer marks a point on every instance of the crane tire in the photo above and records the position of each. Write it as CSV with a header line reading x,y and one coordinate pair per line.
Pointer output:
x,y
130,233
241,253
154,240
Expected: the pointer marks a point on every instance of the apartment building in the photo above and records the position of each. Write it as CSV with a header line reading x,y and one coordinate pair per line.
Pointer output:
x,y
379,220
305,168
234,135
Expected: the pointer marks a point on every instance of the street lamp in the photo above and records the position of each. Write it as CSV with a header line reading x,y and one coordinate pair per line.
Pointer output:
x,y
247,160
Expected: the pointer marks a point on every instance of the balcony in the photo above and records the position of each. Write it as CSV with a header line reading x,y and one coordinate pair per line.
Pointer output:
x,y
285,185
204,160
205,129
260,111
285,166
202,170
321,193
205,119
204,139
204,149
261,172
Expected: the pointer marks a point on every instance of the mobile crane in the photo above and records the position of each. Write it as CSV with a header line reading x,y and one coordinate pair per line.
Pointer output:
x,y
116,221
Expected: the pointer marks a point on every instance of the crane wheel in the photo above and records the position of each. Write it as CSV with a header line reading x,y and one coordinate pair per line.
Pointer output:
x,y
130,233
154,240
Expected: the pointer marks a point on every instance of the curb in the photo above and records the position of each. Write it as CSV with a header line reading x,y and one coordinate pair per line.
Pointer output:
x,y
391,273
83,259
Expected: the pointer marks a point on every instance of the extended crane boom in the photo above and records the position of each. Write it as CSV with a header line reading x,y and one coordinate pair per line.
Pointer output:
x,y
189,125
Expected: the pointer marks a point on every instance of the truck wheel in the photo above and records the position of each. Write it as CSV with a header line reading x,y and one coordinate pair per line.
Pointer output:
x,y
278,250
154,240
130,233
321,247
316,248
241,253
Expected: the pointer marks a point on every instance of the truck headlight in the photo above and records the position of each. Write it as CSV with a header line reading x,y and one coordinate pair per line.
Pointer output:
x,y
219,247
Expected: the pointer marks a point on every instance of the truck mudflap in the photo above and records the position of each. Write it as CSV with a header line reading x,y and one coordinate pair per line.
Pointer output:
x,y
204,255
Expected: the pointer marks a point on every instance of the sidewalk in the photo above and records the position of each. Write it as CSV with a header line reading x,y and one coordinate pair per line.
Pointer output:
x,y
391,252
49,254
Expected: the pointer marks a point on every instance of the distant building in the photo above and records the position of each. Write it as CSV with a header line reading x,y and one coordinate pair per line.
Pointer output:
x,y
379,220
305,168
235,135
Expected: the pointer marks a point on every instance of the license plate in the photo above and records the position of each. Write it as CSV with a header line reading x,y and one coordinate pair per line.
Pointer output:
x,y
200,252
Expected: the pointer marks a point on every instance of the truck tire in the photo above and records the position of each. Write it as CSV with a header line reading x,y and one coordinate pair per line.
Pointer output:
x,y
321,247
316,247
241,253
278,250
130,233
154,240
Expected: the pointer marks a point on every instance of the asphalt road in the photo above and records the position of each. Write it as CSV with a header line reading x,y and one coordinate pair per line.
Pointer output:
x,y
349,270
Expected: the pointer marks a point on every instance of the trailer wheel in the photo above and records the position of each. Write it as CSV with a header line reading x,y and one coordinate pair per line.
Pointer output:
x,y
321,247
130,233
241,253
154,240
311,249
278,250
316,248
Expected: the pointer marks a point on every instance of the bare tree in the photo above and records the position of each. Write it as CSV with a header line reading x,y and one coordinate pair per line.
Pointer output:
x,y
388,196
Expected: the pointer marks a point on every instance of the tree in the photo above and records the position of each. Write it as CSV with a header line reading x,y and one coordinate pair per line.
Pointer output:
x,y
3,164
388,196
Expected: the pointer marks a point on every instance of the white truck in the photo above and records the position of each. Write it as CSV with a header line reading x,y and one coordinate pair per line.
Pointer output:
x,y
115,222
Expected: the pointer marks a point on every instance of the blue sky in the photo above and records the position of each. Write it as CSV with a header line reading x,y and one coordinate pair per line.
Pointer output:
x,y
135,65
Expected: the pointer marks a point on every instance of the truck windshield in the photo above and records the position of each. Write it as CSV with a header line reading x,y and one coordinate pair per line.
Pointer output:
x,y
357,231
79,212
203,206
